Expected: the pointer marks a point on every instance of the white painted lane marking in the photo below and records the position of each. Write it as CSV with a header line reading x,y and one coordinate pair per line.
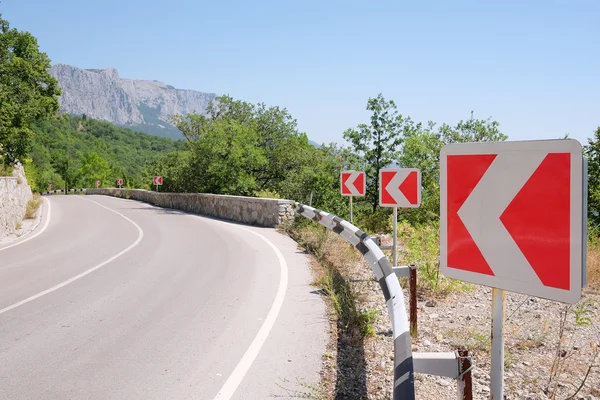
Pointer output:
x,y
236,377
241,369
87,272
39,232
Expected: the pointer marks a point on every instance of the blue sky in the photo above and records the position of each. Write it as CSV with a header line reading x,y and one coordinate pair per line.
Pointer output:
x,y
534,66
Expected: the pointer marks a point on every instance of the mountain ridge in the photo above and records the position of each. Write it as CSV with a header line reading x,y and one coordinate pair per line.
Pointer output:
x,y
144,105
140,104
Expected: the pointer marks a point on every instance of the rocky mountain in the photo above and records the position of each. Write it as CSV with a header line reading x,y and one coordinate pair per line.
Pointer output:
x,y
143,105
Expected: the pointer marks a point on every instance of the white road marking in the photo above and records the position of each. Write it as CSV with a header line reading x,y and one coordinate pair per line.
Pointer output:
x,y
87,272
236,377
36,234
241,369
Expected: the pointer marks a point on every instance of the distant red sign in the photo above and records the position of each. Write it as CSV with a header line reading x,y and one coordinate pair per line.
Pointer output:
x,y
400,187
353,183
120,182
158,180
97,183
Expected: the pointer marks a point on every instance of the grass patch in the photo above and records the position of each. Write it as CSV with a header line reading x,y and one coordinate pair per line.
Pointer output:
x,y
18,226
6,170
32,206
420,246
593,265
336,259
334,254
475,340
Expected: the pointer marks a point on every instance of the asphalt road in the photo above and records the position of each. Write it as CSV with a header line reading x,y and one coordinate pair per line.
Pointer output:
x,y
115,299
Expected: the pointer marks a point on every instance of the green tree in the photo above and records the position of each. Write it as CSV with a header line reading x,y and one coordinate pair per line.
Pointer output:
x,y
421,148
95,168
592,152
67,168
223,160
27,91
377,143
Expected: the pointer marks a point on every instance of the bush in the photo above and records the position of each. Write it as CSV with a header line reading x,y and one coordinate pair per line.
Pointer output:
x,y
379,222
6,170
421,247
32,206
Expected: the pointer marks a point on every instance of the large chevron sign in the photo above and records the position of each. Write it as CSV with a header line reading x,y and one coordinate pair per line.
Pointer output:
x,y
513,216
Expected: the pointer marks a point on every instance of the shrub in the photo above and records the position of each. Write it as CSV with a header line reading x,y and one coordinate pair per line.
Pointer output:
x,y
32,206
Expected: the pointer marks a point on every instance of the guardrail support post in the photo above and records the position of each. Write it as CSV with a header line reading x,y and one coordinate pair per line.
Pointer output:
x,y
413,301
465,384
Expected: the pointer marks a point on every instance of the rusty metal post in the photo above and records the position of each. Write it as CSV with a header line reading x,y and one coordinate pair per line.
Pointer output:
x,y
465,384
413,301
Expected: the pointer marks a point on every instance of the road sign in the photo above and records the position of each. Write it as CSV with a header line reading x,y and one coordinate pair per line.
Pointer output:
x,y
353,183
158,180
97,183
120,182
400,187
512,216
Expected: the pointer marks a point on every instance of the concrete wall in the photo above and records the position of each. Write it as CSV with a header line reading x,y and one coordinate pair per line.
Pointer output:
x,y
247,210
15,193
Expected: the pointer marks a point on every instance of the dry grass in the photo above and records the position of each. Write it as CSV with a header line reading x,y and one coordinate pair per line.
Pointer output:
x,y
593,266
32,206
344,373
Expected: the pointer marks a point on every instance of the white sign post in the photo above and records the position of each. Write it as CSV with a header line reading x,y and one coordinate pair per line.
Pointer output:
x,y
513,218
120,183
352,183
399,187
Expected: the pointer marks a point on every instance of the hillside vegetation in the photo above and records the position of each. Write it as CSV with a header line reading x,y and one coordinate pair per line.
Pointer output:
x,y
74,152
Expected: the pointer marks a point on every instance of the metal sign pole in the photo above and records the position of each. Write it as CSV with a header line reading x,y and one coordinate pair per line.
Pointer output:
x,y
497,370
350,209
395,237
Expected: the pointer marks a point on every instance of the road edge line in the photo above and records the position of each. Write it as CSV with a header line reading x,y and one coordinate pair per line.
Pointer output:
x,y
235,379
86,272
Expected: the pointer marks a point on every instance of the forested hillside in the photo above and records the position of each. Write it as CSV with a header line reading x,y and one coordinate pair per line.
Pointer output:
x,y
76,151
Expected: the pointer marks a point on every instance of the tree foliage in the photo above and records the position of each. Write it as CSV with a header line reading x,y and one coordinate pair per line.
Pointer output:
x,y
240,148
73,152
592,152
27,91
377,143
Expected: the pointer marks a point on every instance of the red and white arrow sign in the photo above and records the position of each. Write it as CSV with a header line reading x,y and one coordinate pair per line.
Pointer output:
x,y
97,183
512,216
120,182
400,187
353,183
158,180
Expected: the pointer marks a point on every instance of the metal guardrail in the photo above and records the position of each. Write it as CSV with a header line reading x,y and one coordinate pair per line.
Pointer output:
x,y
61,191
456,365
404,382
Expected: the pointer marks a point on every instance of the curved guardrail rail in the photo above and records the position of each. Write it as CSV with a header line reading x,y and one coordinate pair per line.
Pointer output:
x,y
404,386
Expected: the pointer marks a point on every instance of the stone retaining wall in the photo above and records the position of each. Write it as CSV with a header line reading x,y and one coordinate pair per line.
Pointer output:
x,y
247,210
15,193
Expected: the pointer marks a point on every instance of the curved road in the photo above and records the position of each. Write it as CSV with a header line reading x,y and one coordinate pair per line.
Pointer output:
x,y
116,299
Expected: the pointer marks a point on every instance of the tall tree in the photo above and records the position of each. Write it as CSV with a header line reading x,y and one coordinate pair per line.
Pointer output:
x,y
421,149
27,91
592,152
377,143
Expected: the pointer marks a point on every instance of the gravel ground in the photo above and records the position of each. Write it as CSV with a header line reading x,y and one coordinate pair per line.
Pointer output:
x,y
462,320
